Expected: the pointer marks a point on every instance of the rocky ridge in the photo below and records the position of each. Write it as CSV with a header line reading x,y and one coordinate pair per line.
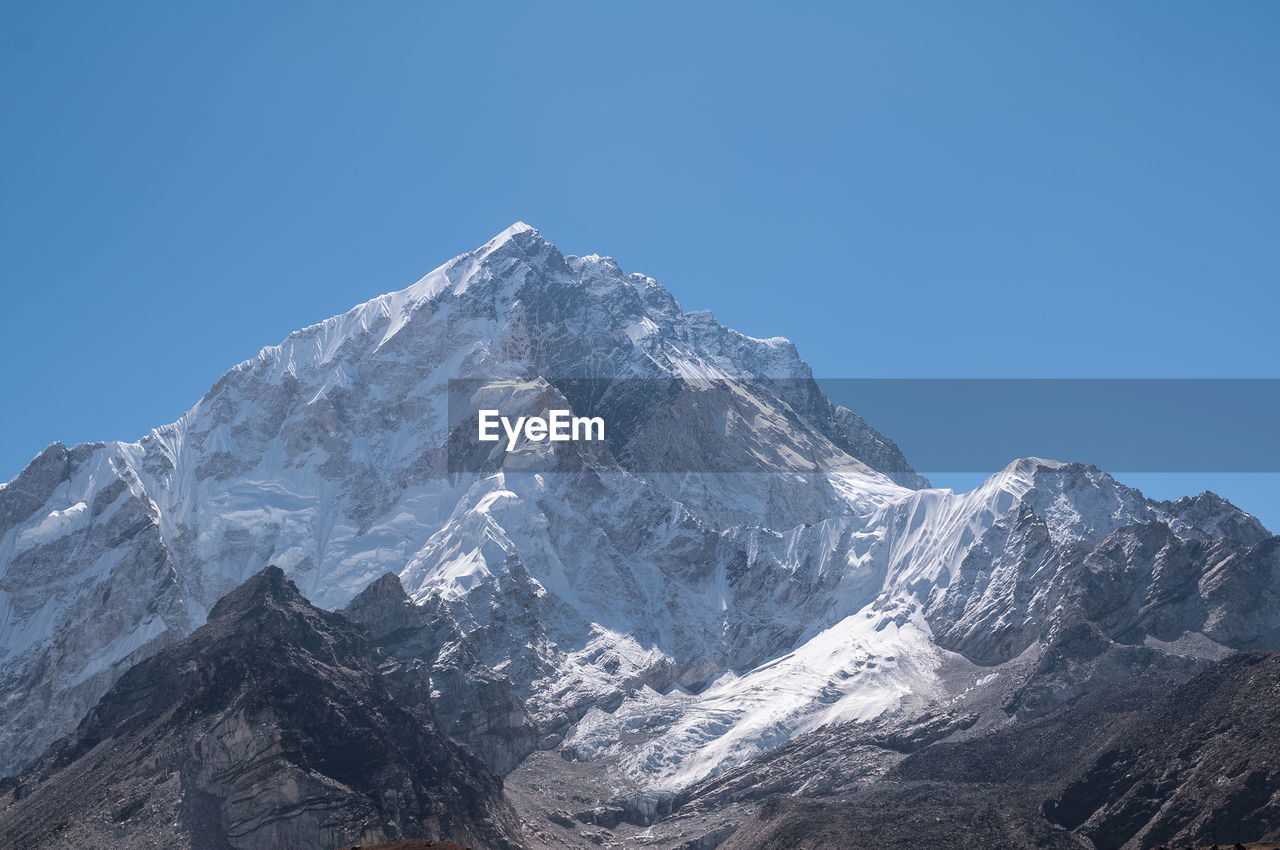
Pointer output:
x,y
269,727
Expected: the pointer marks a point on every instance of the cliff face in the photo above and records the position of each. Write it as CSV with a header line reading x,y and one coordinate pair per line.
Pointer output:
x,y
430,668
269,727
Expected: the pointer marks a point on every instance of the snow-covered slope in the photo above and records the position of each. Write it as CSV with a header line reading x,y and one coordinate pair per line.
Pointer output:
x,y
696,591
934,594
326,455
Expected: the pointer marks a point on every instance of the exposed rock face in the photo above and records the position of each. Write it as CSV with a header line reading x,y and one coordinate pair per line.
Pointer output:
x,y
1076,546
878,451
935,595
430,669
1201,768
86,591
1143,763
269,727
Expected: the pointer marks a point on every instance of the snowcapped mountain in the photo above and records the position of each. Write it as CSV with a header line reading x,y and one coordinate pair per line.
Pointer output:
x,y
326,455
669,604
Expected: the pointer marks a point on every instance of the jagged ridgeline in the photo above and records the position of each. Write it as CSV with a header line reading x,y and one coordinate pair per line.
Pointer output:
x,y
739,567
270,726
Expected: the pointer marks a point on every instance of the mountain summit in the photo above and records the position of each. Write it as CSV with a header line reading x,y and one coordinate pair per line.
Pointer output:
x,y
742,564
326,454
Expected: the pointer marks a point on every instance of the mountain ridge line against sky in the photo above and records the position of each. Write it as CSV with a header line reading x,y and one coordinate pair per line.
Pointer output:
x,y
1006,192
943,441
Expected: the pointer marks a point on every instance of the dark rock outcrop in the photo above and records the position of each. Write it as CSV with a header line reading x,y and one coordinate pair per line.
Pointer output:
x,y
269,727
431,670
1201,767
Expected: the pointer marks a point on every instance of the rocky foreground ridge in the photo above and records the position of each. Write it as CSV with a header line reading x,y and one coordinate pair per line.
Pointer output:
x,y
272,727
269,727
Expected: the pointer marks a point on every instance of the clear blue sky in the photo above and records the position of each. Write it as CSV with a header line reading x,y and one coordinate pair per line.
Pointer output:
x,y
904,189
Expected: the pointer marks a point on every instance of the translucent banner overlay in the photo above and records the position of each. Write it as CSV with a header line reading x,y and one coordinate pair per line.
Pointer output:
x,y
1119,425
940,425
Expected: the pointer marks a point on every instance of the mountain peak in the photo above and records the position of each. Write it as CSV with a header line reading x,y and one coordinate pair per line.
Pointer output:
x,y
383,607
518,227
518,234
269,585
